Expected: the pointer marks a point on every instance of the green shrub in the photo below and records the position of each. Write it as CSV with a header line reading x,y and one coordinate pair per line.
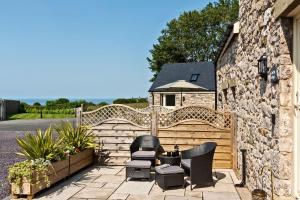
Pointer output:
x,y
76,138
37,104
25,170
40,145
131,100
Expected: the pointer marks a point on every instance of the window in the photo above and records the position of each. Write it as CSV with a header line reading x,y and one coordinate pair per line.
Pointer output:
x,y
194,77
170,100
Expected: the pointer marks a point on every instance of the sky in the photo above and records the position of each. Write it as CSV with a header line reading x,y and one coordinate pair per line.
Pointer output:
x,y
81,49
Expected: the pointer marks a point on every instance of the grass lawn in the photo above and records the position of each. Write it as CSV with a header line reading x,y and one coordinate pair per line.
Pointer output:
x,y
38,116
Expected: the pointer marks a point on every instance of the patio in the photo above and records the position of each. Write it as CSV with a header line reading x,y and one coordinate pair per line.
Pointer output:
x,y
108,182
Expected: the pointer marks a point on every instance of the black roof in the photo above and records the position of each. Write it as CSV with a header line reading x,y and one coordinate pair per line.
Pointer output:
x,y
183,71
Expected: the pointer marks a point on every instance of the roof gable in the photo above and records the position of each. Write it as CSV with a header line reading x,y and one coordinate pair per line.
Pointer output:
x,y
183,71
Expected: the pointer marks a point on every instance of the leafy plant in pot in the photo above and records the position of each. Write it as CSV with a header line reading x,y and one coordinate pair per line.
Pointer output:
x,y
40,149
75,139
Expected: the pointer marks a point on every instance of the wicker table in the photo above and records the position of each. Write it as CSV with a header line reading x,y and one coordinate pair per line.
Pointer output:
x,y
171,160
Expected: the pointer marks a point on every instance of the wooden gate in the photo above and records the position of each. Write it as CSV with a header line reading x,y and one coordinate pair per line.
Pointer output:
x,y
116,126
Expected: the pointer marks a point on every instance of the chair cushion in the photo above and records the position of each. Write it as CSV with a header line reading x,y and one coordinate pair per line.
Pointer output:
x,y
186,163
143,154
169,170
139,164
162,166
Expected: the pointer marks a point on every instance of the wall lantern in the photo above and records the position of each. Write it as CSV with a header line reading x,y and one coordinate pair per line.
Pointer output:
x,y
274,75
263,66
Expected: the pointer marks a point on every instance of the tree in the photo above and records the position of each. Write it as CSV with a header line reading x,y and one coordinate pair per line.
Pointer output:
x,y
37,104
194,36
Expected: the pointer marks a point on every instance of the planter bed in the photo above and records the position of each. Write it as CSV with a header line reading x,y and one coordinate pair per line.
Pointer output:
x,y
58,171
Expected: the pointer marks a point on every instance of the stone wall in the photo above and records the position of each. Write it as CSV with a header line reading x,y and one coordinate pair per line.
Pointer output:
x,y
206,99
254,103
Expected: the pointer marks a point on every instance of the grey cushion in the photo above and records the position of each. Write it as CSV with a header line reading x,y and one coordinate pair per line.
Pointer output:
x,y
143,154
169,170
139,164
162,166
186,163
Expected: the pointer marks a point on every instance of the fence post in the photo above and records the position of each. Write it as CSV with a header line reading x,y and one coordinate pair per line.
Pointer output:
x,y
80,110
154,122
233,126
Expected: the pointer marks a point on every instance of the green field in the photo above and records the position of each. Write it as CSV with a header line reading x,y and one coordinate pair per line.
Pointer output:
x,y
38,116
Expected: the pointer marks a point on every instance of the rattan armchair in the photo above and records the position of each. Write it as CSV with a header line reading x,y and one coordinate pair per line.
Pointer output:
x,y
145,147
197,163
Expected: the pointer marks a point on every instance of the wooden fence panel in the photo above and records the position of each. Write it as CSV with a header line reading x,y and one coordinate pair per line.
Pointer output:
x,y
113,139
192,133
116,126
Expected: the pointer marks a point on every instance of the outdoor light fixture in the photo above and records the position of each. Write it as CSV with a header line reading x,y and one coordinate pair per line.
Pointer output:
x,y
274,75
263,66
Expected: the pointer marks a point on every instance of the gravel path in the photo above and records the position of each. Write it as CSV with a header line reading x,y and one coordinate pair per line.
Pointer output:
x,y
9,130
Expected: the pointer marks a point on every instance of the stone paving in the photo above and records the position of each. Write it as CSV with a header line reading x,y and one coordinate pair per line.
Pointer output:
x,y
109,183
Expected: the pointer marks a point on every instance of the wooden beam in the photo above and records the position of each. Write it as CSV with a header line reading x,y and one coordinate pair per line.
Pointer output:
x,y
283,7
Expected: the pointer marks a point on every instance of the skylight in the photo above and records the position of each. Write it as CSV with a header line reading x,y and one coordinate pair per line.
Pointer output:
x,y
194,77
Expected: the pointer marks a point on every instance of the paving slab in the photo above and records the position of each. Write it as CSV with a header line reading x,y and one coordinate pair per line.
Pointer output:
x,y
116,196
175,191
112,170
222,177
220,196
146,197
90,185
172,197
94,193
194,193
111,185
88,178
135,187
122,172
107,178
218,187
60,192
235,179
244,193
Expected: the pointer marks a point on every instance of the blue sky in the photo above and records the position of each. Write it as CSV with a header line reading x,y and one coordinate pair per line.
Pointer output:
x,y
77,48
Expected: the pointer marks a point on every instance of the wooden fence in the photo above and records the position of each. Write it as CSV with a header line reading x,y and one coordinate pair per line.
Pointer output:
x,y
116,126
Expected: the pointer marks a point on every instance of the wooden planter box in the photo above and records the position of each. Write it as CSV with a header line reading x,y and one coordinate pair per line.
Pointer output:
x,y
81,160
58,171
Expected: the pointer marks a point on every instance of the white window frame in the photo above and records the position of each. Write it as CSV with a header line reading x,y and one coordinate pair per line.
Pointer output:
x,y
165,100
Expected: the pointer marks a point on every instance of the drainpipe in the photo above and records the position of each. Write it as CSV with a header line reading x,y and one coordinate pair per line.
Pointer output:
x,y
216,89
244,167
152,98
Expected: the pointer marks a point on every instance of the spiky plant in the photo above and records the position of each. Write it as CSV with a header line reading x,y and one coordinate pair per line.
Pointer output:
x,y
77,138
40,145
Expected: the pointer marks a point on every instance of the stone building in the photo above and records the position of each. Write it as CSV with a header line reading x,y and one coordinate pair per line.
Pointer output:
x,y
201,74
264,100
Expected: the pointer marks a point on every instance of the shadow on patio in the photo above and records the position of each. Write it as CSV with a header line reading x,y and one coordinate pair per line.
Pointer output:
x,y
108,182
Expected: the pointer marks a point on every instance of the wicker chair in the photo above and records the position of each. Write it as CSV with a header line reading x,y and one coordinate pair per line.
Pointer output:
x,y
197,163
145,147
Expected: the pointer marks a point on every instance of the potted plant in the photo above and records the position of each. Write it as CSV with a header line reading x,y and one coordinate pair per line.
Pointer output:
x,y
50,159
79,143
45,164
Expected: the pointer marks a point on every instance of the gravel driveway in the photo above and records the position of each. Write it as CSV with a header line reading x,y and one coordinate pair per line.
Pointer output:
x,y
9,130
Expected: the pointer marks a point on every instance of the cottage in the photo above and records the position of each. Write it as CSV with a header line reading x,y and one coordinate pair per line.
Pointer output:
x,y
197,80
258,78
